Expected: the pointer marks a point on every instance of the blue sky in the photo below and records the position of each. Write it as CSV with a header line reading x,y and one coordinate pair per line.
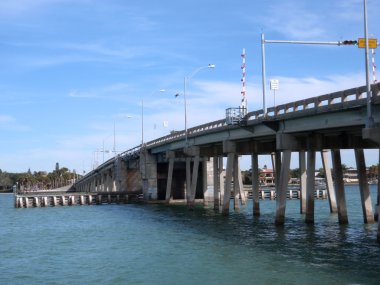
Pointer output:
x,y
74,69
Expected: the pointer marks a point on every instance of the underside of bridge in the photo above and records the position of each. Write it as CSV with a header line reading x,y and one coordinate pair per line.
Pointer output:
x,y
178,187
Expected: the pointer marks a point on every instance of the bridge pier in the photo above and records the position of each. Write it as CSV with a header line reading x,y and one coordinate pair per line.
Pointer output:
x,y
218,180
148,170
282,185
329,181
339,187
232,172
377,207
310,184
255,184
171,156
303,180
239,195
363,186
193,174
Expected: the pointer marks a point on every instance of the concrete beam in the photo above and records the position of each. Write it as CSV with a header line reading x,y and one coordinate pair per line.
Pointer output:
x,y
287,142
192,151
372,134
229,147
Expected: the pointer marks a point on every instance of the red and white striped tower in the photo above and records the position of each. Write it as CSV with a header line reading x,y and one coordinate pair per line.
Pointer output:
x,y
373,67
243,104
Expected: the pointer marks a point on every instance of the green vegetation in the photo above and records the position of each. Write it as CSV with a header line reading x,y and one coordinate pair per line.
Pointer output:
x,y
38,179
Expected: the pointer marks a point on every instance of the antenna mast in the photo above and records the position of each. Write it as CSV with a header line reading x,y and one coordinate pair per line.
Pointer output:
x,y
243,105
373,67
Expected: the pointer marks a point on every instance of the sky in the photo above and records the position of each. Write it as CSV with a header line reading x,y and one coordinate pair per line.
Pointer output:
x,y
75,73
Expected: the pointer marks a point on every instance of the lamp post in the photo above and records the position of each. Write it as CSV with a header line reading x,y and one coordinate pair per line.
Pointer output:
x,y
142,115
370,121
185,81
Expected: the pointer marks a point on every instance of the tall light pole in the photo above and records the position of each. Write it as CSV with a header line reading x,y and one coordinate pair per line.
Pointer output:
x,y
370,121
142,115
186,79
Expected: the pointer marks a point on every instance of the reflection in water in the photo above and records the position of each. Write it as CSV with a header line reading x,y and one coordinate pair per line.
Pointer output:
x,y
157,244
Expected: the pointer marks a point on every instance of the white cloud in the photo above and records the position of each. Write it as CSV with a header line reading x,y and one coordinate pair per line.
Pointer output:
x,y
292,20
115,91
20,7
5,119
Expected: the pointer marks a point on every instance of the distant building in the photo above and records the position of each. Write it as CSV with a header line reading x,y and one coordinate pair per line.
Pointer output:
x,y
267,177
350,176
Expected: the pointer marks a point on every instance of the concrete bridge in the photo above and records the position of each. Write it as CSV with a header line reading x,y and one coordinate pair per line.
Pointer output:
x,y
186,168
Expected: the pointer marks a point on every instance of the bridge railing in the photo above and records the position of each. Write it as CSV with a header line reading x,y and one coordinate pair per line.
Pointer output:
x,y
349,98
342,99
338,100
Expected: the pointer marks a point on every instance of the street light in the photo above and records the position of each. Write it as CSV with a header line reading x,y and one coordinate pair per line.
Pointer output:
x,y
185,80
142,115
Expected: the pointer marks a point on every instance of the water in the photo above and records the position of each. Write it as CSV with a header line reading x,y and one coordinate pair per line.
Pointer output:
x,y
157,244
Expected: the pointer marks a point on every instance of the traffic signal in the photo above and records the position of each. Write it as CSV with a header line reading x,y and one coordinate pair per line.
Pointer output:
x,y
349,42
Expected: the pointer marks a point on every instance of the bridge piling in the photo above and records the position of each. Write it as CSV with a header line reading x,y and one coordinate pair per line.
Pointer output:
x,y
216,176
363,186
339,187
303,180
329,181
282,186
377,207
171,156
205,174
255,184
310,184
227,192
222,186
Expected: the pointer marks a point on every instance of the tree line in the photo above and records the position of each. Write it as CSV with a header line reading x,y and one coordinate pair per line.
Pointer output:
x,y
37,180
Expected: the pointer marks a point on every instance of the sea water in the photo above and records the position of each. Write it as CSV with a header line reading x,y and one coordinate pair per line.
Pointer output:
x,y
159,244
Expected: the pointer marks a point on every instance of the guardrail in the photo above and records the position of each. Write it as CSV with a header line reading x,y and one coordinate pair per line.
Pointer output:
x,y
338,100
349,98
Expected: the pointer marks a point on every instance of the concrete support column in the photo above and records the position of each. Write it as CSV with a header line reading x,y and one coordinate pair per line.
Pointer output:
x,y
221,180
329,181
148,171
277,167
377,207
364,189
229,147
309,218
216,174
227,192
171,157
110,180
194,181
236,183
205,175
303,179
282,186
188,179
255,184
339,187
243,197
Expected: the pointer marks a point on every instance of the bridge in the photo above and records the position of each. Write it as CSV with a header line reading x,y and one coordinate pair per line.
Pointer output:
x,y
189,166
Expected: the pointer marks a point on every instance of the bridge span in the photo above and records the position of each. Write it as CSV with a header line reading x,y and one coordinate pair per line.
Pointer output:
x,y
173,168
